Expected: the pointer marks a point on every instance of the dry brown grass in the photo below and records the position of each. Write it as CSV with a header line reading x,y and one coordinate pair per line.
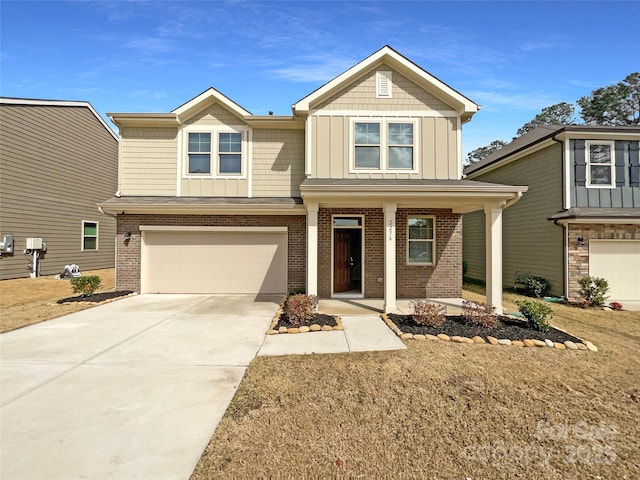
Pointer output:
x,y
25,301
423,412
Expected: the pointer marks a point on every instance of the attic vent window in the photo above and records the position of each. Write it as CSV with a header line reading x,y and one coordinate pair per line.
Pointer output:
x,y
383,84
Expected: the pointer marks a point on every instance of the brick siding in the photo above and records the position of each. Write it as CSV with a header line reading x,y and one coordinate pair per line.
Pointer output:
x,y
128,256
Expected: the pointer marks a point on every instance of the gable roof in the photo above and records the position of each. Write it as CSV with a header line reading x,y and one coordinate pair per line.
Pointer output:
x,y
57,103
207,97
541,137
387,55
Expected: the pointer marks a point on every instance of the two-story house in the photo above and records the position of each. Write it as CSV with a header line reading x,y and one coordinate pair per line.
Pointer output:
x,y
581,215
357,194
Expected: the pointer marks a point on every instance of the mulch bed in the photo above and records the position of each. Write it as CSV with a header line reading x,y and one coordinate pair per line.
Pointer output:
x,y
506,328
96,297
318,319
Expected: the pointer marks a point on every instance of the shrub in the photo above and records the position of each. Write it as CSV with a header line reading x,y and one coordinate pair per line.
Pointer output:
x,y
479,314
85,285
426,313
300,308
536,286
536,314
594,290
615,305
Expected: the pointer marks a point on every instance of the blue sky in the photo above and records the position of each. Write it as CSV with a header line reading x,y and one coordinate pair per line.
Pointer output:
x,y
513,58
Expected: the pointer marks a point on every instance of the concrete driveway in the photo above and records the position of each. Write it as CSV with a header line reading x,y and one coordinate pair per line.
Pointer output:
x,y
131,389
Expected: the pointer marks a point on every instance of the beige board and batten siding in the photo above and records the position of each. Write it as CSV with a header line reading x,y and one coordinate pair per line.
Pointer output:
x,y
531,244
57,162
437,130
278,162
148,160
213,115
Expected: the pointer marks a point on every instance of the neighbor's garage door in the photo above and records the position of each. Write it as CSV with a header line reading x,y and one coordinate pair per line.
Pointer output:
x,y
618,262
214,262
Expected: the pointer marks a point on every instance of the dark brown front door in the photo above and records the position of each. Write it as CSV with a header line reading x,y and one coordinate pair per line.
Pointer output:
x,y
341,260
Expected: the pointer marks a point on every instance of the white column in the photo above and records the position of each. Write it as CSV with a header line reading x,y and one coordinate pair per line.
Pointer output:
x,y
312,249
390,257
493,218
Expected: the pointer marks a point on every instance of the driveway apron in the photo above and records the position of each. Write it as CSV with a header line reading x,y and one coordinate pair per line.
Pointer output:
x,y
131,389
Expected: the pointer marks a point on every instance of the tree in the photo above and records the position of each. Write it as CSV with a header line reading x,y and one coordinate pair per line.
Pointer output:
x,y
481,152
558,114
617,104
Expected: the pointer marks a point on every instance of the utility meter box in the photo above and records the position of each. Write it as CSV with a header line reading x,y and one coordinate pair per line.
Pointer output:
x,y
34,244
6,246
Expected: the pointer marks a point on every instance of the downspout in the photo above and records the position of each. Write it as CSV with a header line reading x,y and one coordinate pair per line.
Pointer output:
x,y
564,226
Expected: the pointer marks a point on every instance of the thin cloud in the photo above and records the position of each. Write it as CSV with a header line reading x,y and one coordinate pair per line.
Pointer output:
x,y
520,101
150,45
314,69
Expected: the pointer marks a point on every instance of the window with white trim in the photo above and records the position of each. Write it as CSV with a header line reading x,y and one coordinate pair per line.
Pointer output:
x,y
384,145
600,164
421,241
214,152
89,236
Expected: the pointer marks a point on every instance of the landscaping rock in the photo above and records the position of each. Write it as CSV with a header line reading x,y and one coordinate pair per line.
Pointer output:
x,y
570,345
338,327
433,337
466,340
456,339
591,347
327,328
444,337
478,340
529,343
406,336
304,329
283,330
581,346
517,343
504,341
315,327
559,346
273,332
549,343
539,343
492,340
417,336
294,330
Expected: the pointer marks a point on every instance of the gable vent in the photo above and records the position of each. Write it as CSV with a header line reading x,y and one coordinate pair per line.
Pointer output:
x,y
383,84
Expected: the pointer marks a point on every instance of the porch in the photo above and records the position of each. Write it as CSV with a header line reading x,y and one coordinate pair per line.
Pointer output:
x,y
368,306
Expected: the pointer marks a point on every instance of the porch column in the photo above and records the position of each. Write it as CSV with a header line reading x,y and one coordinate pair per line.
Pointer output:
x,y
493,219
312,248
390,257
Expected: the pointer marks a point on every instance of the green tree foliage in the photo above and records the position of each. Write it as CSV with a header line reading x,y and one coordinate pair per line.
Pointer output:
x,y
558,114
617,104
479,153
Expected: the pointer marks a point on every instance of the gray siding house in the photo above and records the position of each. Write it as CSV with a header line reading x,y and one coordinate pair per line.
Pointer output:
x,y
58,159
581,215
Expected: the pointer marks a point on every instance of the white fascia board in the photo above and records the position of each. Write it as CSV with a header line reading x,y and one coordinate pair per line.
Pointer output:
x,y
59,103
599,221
211,93
596,135
204,209
182,228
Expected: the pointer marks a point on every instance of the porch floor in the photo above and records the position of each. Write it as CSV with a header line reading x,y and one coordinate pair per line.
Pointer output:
x,y
367,306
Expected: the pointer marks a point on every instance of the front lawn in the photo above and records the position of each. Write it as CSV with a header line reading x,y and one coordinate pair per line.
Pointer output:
x,y
442,410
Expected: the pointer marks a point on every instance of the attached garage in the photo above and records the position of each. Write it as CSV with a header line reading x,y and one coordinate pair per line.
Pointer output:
x,y
212,260
617,261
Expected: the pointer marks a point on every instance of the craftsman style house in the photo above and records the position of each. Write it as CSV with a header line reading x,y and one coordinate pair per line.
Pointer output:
x,y
581,215
357,194
57,160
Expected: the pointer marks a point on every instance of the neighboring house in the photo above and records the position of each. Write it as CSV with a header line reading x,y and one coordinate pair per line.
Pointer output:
x,y
581,215
357,194
58,159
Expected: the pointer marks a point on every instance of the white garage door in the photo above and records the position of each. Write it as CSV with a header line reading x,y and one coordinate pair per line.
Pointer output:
x,y
617,261
249,261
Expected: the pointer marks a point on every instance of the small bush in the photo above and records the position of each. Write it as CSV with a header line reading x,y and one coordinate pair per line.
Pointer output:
x,y
479,314
536,286
426,313
300,308
594,290
85,285
536,314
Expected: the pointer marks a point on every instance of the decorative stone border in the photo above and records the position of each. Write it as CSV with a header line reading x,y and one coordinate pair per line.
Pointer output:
x,y
304,329
568,345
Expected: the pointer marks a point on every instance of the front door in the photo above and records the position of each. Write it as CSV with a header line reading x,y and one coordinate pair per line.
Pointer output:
x,y
347,260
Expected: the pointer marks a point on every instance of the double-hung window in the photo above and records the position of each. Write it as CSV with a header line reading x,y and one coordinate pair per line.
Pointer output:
x,y
600,164
421,241
89,235
215,153
381,145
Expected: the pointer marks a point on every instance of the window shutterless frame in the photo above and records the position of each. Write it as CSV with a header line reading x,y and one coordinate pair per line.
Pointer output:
x,y
227,151
89,236
600,160
421,240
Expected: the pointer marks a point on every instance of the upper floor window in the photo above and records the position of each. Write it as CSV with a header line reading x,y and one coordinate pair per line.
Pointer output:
x,y
600,164
384,145
89,235
218,152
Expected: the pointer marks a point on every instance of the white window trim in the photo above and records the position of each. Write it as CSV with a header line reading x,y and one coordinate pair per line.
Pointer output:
x,y
82,236
433,242
587,153
214,130
384,144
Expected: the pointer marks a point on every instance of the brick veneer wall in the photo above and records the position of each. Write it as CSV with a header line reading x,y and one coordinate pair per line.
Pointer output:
x,y
441,280
579,254
128,256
